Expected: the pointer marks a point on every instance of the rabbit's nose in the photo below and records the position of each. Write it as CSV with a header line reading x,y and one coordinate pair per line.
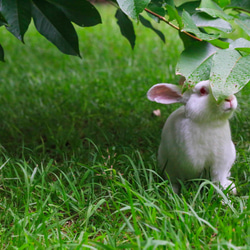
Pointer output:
x,y
230,100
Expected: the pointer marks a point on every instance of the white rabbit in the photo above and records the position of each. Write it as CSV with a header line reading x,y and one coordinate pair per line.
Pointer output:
x,y
196,137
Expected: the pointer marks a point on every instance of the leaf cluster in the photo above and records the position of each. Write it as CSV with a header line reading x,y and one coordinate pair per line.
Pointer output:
x,y
216,39
215,33
53,19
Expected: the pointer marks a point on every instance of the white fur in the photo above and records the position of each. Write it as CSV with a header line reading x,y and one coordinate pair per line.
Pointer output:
x,y
196,137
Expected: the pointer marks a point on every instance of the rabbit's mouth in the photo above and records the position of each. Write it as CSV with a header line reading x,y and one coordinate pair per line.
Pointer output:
x,y
227,110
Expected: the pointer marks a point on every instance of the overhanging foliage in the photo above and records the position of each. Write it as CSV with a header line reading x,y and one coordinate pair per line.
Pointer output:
x,y
205,27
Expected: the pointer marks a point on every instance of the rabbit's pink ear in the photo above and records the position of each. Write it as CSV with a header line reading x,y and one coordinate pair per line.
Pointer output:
x,y
165,93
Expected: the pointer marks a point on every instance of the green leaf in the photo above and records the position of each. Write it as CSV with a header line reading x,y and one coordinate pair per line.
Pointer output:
x,y
190,7
240,4
187,40
157,9
81,12
203,20
126,27
244,22
169,2
222,3
147,24
212,9
1,54
229,73
54,25
174,15
2,19
133,8
241,44
223,44
195,62
190,26
18,16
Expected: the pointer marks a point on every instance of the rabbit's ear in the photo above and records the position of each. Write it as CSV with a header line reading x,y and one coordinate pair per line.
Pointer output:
x,y
165,93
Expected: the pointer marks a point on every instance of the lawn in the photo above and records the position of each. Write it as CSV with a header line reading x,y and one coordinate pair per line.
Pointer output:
x,y
78,150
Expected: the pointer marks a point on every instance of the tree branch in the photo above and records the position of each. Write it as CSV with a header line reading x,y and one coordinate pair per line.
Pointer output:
x,y
172,25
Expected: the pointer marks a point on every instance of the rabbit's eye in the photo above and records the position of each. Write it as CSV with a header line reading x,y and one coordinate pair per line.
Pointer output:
x,y
203,91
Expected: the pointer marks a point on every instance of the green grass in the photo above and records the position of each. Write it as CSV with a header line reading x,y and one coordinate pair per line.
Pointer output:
x,y
78,150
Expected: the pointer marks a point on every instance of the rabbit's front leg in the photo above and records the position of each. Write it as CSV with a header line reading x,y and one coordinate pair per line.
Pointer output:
x,y
222,164
220,176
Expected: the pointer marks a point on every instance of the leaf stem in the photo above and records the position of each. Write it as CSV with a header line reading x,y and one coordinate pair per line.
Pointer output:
x,y
172,25
241,9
